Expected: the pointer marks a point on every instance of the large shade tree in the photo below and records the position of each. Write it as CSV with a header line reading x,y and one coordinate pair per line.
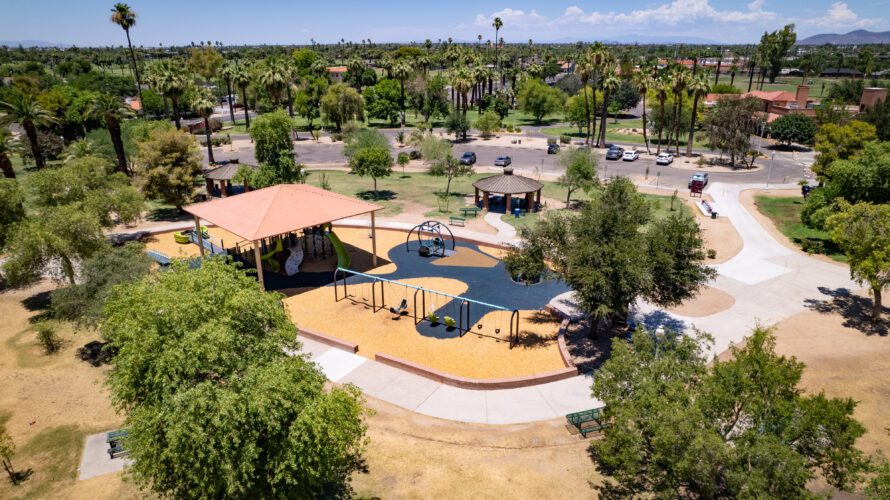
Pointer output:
x,y
168,166
23,109
214,404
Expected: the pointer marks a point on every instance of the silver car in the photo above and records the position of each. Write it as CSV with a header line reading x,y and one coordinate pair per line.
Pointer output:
x,y
664,159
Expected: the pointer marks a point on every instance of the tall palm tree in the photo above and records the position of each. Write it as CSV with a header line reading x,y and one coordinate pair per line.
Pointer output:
x,y
679,80
480,76
660,85
497,25
461,81
24,110
242,77
174,83
698,88
584,68
401,70
272,77
356,68
643,82
599,57
225,73
111,110
123,16
8,146
319,67
610,85
203,107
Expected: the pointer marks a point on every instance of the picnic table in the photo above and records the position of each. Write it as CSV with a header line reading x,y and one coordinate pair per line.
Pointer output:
x,y
587,421
470,210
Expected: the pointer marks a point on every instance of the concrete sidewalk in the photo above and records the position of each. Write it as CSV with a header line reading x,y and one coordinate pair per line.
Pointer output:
x,y
422,395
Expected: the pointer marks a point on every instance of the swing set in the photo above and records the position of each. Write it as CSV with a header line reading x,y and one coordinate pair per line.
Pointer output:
x,y
462,324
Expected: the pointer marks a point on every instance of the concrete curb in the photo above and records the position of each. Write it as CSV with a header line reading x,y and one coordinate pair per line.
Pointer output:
x,y
328,340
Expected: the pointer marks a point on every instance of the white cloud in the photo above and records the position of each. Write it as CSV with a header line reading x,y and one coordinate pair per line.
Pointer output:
x,y
674,13
839,15
517,18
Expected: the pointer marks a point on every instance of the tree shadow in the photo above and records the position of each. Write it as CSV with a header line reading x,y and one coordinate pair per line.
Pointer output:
x,y
588,351
855,310
40,303
167,215
789,148
379,195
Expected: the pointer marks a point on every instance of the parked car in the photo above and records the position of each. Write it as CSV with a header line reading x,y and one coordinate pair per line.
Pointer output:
x,y
700,177
502,161
552,149
664,159
614,153
468,158
632,155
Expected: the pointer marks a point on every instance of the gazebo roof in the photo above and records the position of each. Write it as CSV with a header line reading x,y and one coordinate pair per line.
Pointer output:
x,y
507,183
226,172
278,209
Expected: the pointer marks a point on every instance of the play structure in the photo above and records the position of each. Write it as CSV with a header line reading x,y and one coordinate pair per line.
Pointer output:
x,y
431,239
288,251
455,313
185,236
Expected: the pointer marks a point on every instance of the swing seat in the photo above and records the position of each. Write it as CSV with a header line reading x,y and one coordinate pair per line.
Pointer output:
x,y
403,306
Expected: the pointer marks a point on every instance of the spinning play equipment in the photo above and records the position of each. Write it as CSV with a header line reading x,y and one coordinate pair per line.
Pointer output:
x,y
431,237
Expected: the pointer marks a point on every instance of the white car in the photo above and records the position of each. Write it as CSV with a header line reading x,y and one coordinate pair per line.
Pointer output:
x,y
664,159
631,155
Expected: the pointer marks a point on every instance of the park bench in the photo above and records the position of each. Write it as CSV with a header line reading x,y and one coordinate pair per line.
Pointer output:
x,y
470,210
117,450
587,421
456,221
117,435
158,257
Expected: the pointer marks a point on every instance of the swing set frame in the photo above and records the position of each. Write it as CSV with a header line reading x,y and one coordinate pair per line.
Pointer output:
x,y
463,325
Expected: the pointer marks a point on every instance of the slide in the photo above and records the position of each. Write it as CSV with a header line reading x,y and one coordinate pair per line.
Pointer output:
x,y
343,259
269,258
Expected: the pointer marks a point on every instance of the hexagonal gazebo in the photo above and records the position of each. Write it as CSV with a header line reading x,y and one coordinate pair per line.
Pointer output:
x,y
510,186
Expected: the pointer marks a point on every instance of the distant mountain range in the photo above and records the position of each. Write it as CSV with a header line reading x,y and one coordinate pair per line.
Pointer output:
x,y
858,37
33,43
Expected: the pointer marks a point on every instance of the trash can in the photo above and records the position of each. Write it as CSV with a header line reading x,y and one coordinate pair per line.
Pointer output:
x,y
516,212
713,215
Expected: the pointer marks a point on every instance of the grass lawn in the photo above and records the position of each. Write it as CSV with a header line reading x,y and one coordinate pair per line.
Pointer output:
x,y
612,134
785,214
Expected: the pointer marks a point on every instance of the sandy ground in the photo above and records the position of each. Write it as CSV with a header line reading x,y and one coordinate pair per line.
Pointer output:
x,y
747,199
44,395
708,301
415,456
164,243
719,234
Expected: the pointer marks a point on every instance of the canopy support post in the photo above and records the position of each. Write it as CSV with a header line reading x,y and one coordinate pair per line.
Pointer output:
x,y
200,235
259,263
373,241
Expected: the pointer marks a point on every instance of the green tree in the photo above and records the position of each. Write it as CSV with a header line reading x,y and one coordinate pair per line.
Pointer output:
x,y
382,101
730,125
12,208
793,128
111,111
539,99
373,162
735,429
168,166
203,107
84,301
241,78
123,16
205,61
698,88
307,99
358,138
8,146
488,123
23,109
863,233
210,378
342,104
580,171
879,116
840,142
612,253
7,451
403,160
271,134
456,123
775,47
437,153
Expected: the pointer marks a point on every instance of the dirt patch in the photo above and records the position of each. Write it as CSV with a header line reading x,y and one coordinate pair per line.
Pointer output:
x,y
708,301
747,200
415,456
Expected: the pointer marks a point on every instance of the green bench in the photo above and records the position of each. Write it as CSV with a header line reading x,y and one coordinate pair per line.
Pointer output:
x,y
117,450
470,210
115,439
456,221
116,435
587,421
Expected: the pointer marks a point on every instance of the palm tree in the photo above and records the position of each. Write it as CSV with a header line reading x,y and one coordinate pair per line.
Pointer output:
x,y
174,83
480,76
599,56
80,148
8,146
660,85
272,76
110,110
319,67
610,85
698,88
584,68
356,68
461,81
643,81
203,107
401,70
226,72
497,25
123,16
241,77
679,79
25,111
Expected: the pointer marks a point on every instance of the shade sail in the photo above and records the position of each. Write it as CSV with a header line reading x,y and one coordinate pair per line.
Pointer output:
x,y
278,209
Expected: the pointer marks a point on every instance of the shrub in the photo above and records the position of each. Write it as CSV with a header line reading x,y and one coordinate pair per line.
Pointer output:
x,y
517,130
712,254
812,245
336,137
415,155
47,337
551,140
564,139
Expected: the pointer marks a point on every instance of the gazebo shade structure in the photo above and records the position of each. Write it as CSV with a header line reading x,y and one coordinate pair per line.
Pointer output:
x,y
278,210
223,176
510,186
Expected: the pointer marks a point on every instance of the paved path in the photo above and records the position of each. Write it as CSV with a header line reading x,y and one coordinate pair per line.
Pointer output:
x,y
95,460
769,281
422,395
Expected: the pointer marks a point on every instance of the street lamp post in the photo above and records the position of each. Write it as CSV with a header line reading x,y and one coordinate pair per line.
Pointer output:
x,y
769,173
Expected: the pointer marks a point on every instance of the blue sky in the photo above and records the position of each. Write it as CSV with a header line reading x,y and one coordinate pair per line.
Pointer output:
x,y
85,22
